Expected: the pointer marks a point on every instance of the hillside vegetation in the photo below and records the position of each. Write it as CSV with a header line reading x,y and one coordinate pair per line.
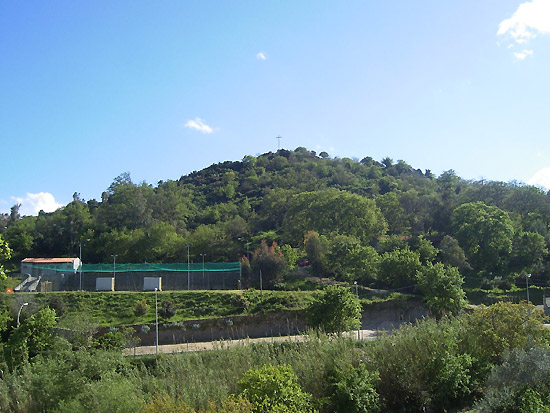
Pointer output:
x,y
383,224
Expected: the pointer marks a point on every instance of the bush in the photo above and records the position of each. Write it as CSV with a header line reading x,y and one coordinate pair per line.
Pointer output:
x,y
56,303
335,310
141,308
353,389
274,389
167,309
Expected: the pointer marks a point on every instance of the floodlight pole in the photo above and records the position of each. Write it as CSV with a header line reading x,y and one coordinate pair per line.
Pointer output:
x,y
19,312
114,266
156,323
202,255
188,276
357,295
527,276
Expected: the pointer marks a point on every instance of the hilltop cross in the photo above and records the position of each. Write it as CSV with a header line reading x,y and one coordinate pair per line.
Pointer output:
x,y
278,141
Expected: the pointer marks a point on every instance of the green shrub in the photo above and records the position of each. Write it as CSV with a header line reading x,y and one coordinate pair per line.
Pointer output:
x,y
141,308
353,389
274,389
335,310
167,309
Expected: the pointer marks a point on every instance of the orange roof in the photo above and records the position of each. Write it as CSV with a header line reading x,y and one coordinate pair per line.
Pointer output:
x,y
49,260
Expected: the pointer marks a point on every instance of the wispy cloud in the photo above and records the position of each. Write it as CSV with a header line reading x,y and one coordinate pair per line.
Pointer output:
x,y
199,125
523,54
529,20
261,56
541,178
32,204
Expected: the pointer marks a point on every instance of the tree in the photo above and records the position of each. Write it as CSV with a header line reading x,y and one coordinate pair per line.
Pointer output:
x,y
442,289
332,210
451,254
348,260
33,337
335,309
274,389
485,233
5,255
399,268
271,262
315,246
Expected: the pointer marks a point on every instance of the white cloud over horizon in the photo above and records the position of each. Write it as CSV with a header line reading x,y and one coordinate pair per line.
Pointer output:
x,y
529,20
541,179
32,204
261,56
199,125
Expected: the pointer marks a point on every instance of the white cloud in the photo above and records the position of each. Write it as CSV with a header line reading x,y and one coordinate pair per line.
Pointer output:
x,y
541,179
32,204
198,124
523,54
530,19
261,56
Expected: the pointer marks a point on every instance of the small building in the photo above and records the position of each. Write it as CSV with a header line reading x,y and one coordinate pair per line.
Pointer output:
x,y
41,267
41,274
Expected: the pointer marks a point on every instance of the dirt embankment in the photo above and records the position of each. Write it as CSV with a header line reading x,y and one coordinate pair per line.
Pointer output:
x,y
377,316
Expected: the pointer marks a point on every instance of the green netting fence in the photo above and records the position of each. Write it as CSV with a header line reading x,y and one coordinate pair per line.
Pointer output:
x,y
130,277
150,267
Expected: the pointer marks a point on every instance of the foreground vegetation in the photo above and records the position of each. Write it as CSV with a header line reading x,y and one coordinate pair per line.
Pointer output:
x,y
494,359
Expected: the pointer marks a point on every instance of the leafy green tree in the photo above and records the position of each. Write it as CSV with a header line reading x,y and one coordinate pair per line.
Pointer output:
x,y
316,246
451,254
33,337
336,309
399,268
442,289
529,247
333,211
274,389
353,389
5,255
485,233
271,262
491,331
348,260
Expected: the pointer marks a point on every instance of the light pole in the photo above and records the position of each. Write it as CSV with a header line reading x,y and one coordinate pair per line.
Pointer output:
x,y
357,295
156,323
114,266
80,258
202,255
188,277
19,312
527,276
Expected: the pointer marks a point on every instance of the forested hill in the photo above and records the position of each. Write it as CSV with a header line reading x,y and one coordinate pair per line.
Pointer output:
x,y
347,206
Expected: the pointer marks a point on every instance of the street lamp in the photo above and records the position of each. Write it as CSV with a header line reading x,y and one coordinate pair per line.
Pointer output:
x,y
114,266
357,295
527,276
19,312
156,323
202,255
80,258
188,277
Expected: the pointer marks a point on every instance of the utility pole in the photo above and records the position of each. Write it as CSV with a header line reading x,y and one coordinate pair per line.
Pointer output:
x,y
188,276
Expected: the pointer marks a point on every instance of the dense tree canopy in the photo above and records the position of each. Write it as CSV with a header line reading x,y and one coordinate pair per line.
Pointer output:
x,y
346,206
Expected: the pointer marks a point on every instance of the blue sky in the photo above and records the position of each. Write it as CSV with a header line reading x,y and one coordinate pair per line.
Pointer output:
x,y
91,89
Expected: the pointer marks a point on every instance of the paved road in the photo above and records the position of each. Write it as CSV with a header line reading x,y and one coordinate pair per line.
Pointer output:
x,y
212,345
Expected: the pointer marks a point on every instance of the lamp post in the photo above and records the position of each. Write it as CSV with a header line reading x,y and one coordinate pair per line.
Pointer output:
x,y
114,265
202,255
188,276
156,323
527,276
357,295
80,258
19,312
